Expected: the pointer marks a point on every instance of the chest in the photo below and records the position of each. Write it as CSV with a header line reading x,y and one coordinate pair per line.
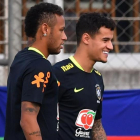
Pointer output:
x,y
82,90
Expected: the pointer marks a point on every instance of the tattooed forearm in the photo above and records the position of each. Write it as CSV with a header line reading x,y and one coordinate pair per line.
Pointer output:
x,y
31,108
98,132
37,133
28,121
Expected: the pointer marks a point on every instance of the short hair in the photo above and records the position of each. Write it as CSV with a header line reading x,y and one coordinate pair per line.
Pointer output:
x,y
91,23
41,13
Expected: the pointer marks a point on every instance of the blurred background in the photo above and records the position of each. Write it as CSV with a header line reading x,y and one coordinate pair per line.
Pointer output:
x,y
121,72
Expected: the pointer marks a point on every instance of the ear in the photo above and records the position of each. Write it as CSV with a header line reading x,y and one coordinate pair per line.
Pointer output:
x,y
44,28
85,38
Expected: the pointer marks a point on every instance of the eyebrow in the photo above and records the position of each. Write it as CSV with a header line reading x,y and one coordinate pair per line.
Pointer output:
x,y
107,38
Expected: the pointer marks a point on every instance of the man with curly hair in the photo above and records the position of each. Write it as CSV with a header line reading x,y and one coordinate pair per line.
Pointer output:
x,y
32,86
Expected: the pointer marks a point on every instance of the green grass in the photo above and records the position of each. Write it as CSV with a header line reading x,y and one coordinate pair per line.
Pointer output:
x,y
1,138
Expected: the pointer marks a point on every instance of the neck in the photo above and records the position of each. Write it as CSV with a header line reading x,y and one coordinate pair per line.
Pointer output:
x,y
41,48
81,56
30,41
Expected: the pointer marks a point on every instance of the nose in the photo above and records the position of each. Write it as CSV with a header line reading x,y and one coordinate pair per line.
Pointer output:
x,y
64,37
110,45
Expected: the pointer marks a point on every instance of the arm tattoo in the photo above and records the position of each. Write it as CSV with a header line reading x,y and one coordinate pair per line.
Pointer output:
x,y
30,109
37,133
98,132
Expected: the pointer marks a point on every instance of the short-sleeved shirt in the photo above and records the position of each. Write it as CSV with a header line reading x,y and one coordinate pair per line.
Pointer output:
x,y
80,100
31,79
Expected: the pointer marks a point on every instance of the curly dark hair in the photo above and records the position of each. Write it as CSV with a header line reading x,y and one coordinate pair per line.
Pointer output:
x,y
91,23
41,13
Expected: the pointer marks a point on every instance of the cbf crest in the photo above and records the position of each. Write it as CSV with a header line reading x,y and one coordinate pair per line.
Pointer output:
x,y
98,91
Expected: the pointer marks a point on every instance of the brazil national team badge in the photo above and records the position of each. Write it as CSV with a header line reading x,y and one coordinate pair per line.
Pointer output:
x,y
98,91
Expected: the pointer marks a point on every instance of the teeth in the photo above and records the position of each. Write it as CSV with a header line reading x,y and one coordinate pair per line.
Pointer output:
x,y
62,45
105,52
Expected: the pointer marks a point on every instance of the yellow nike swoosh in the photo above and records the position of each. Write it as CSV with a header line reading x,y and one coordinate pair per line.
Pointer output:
x,y
77,90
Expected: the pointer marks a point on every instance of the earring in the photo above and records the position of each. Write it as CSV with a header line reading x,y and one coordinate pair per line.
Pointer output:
x,y
44,34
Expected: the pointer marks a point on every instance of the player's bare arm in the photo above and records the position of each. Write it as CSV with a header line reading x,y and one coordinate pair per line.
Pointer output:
x,y
98,132
28,122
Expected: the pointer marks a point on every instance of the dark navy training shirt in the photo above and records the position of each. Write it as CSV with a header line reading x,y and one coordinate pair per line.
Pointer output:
x,y
31,79
80,100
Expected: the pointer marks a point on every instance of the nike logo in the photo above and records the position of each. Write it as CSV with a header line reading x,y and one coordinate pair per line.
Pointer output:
x,y
78,90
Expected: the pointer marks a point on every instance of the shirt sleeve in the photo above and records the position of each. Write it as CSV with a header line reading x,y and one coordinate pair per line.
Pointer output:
x,y
61,79
36,79
99,112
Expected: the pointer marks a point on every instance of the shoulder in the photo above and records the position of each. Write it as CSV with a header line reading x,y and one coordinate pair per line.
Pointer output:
x,y
29,57
98,75
62,69
40,64
39,69
97,72
63,66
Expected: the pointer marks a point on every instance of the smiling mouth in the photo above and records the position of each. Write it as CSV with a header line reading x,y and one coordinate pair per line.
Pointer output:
x,y
62,46
105,52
